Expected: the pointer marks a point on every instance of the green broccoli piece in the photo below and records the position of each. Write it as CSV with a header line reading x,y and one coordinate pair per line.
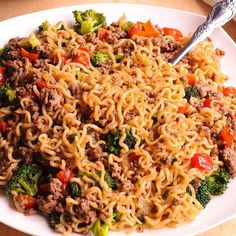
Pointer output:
x,y
7,93
43,27
73,189
191,91
3,52
53,219
142,219
100,230
115,216
130,140
112,139
202,194
109,180
99,57
72,138
217,182
126,26
25,180
88,21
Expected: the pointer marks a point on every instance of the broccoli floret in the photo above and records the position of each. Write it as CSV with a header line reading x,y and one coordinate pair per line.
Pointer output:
x,y
217,182
142,219
99,57
202,194
53,219
112,139
72,138
130,140
115,216
191,91
3,52
73,189
88,21
43,27
25,180
126,26
99,229
109,180
7,93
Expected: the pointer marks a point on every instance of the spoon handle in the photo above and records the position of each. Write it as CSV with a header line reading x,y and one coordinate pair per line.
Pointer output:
x,y
221,13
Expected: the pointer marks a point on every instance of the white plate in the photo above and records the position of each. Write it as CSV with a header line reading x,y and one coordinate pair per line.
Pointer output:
x,y
219,209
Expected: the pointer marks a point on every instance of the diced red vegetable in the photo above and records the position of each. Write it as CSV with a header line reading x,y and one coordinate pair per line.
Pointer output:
x,y
172,32
191,79
84,48
3,126
31,56
41,84
55,59
143,29
102,33
183,110
207,102
64,176
29,202
227,136
202,162
82,59
133,156
227,91
2,71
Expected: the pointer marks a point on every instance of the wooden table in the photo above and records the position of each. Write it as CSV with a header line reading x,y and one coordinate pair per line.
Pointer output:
x,y
11,8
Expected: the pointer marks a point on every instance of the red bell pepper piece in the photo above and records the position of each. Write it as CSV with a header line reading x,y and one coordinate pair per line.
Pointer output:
x,y
227,136
2,71
172,32
31,56
3,126
201,161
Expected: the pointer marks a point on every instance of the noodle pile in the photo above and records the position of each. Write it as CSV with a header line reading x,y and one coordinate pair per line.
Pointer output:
x,y
142,93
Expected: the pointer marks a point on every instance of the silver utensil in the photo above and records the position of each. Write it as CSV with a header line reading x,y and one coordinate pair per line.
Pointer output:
x,y
221,13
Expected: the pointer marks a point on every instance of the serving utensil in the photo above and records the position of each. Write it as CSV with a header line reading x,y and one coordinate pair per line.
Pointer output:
x,y
220,14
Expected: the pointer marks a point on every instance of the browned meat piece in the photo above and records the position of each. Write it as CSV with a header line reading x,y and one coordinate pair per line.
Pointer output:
x,y
75,90
55,188
49,204
196,183
26,91
25,154
52,98
206,90
114,33
86,211
85,114
17,71
166,44
126,186
94,154
105,67
130,115
43,50
208,132
4,164
228,156
60,228
21,202
91,38
94,134
41,64
220,52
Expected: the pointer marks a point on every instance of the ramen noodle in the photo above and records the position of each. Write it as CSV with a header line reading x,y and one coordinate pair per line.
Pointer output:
x,y
98,130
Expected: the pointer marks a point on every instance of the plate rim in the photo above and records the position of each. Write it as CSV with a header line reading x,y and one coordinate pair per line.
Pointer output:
x,y
46,11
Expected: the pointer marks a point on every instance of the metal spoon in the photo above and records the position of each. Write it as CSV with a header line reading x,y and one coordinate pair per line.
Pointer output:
x,y
221,13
